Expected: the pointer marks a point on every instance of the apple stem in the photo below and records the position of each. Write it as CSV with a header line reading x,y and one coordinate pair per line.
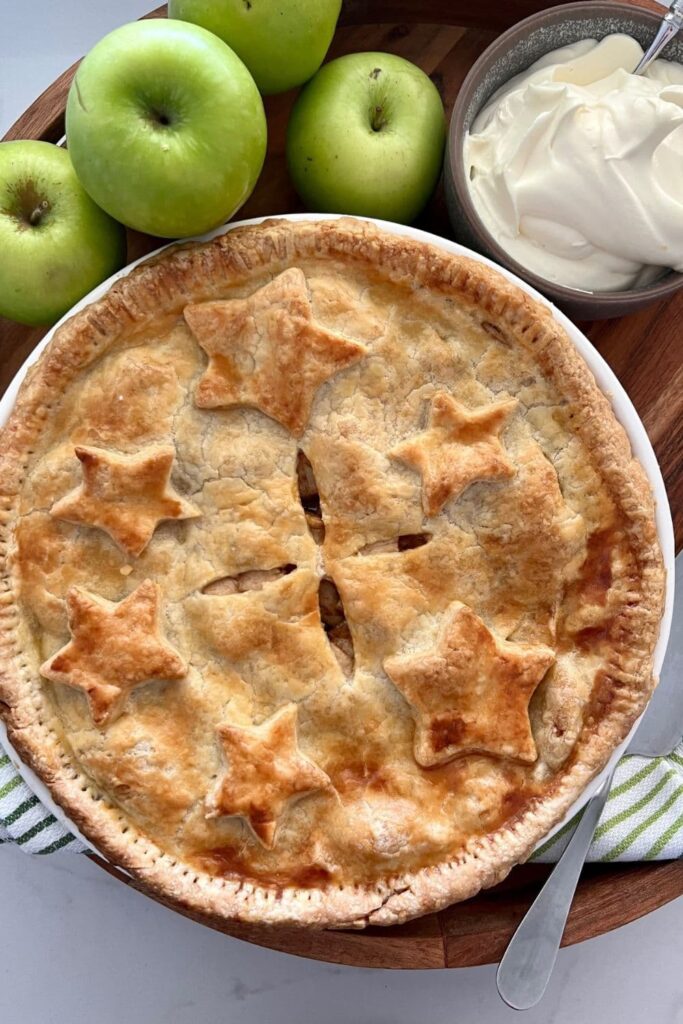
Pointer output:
x,y
36,215
378,121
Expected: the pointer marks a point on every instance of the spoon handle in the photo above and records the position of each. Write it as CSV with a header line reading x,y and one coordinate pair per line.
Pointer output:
x,y
527,965
670,26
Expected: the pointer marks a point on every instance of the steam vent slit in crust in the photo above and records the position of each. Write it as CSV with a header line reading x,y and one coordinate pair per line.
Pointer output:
x,y
336,609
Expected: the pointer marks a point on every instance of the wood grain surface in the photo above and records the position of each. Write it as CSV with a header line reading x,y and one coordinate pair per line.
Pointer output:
x,y
645,350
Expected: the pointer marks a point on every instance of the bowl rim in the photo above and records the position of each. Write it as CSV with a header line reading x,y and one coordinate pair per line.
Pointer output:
x,y
662,289
605,377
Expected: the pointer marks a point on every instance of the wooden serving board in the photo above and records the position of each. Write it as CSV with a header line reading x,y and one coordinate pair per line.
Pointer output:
x,y
646,351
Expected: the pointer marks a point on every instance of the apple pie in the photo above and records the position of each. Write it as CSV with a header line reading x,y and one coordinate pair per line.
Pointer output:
x,y
329,576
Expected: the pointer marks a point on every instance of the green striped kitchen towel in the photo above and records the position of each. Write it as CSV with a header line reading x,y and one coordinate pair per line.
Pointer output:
x,y
643,818
24,820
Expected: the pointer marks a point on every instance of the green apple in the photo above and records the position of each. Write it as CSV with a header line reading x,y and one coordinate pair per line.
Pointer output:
x,y
282,42
56,244
166,128
366,136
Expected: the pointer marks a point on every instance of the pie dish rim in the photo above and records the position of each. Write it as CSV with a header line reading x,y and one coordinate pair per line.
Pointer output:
x,y
607,382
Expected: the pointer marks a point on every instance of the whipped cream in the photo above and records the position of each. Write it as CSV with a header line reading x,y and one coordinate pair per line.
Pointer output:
x,y
576,166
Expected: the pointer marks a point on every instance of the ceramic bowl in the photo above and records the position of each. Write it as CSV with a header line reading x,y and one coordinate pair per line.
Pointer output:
x,y
511,53
606,380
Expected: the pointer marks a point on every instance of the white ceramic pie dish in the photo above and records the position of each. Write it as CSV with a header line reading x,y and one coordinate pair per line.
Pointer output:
x,y
621,404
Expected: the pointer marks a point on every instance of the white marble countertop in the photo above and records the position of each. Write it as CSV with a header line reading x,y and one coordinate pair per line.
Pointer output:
x,y
80,947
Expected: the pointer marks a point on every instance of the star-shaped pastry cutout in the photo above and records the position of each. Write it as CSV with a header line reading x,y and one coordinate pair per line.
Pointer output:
x,y
265,772
266,351
127,496
113,649
470,695
459,447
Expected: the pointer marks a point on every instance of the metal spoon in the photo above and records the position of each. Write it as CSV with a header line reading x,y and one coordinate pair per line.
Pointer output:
x,y
672,22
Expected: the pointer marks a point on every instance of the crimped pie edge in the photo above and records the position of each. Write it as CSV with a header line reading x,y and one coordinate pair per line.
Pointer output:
x,y
178,276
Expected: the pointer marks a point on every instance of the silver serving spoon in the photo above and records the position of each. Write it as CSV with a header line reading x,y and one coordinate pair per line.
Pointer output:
x,y
671,24
525,969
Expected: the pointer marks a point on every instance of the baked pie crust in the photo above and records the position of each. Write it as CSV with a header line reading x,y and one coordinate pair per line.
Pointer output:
x,y
329,577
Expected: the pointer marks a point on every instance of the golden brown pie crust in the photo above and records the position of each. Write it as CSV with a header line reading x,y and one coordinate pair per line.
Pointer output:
x,y
554,564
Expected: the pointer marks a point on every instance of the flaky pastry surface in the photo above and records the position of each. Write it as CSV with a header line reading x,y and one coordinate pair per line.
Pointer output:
x,y
349,694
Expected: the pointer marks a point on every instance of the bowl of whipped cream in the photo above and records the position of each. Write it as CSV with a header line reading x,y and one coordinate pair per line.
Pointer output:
x,y
566,167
